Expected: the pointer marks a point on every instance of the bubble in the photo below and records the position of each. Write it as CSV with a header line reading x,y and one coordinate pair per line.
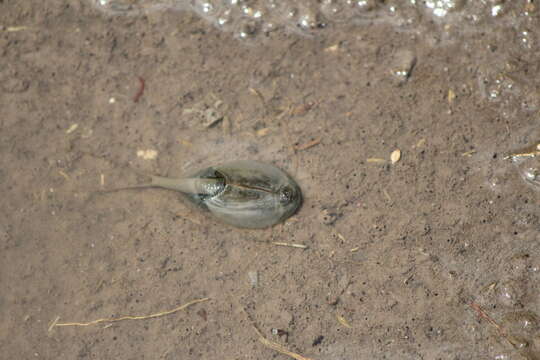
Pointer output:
x,y
367,5
521,323
210,10
402,65
441,8
338,11
497,10
531,175
518,342
247,29
530,101
305,16
132,7
527,163
526,39
510,293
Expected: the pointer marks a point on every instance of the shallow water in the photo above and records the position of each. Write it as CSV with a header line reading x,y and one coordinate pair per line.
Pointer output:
x,y
251,18
505,74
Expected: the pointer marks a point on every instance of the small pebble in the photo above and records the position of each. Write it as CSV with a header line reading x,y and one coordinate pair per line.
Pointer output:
x,y
402,65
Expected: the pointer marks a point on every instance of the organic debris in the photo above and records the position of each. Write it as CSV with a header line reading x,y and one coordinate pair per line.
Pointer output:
x,y
140,92
307,145
343,321
211,111
527,152
72,128
395,156
375,160
147,154
298,246
451,96
55,323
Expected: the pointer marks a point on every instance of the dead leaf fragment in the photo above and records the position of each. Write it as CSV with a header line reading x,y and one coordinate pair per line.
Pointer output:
x,y
72,128
420,143
16,28
147,154
469,153
332,48
451,96
343,321
263,132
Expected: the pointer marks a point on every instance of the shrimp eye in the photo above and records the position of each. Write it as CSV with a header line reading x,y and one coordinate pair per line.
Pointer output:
x,y
286,195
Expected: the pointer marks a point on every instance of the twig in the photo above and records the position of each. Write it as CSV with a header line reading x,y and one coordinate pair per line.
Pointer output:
x,y
129,317
277,347
261,98
481,313
343,321
298,246
16,28
66,176
469,153
303,109
270,344
307,145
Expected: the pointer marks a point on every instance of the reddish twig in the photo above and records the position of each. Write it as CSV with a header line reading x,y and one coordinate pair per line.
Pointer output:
x,y
307,145
482,314
141,90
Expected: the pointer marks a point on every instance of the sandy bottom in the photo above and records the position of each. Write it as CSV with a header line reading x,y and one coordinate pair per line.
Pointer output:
x,y
400,258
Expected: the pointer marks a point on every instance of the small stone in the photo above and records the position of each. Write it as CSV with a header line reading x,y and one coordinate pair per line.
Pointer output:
x,y
402,65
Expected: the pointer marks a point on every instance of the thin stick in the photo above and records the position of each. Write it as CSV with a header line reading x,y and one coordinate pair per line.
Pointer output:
x,y
308,145
66,176
481,313
261,97
298,246
129,317
275,346
270,344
